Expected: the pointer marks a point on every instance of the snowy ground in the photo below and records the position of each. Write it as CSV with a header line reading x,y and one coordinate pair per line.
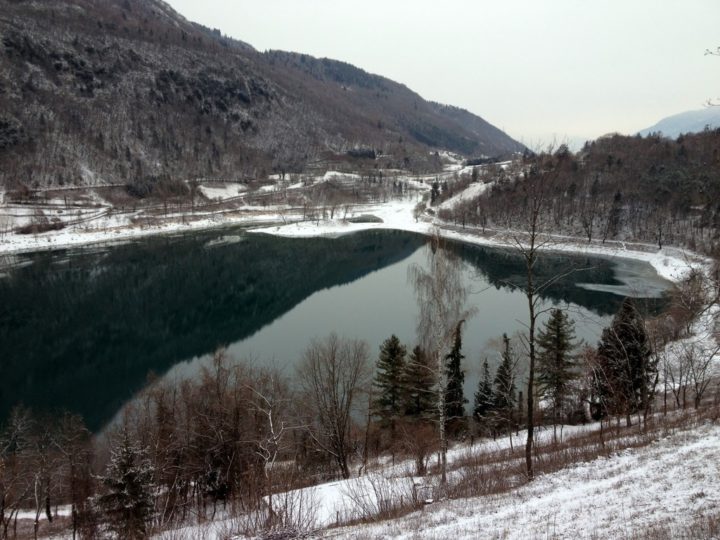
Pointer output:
x,y
222,191
472,191
668,484
670,263
347,500
100,223
113,230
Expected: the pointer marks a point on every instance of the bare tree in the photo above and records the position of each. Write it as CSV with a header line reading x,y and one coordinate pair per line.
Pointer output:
x,y
529,247
417,439
44,462
589,208
73,442
441,296
419,210
699,359
333,373
270,401
16,480
676,373
535,187
595,380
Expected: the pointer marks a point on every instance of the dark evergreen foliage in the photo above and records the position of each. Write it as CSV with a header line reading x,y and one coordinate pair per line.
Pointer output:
x,y
504,393
454,398
418,382
555,359
484,398
128,503
624,380
434,193
388,381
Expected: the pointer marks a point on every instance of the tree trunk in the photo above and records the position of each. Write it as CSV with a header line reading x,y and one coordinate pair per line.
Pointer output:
x,y
530,400
442,420
531,352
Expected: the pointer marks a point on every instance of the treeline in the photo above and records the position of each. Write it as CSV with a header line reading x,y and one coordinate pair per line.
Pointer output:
x,y
575,382
648,189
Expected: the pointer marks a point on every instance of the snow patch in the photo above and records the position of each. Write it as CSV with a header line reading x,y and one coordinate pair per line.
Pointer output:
x,y
473,191
223,191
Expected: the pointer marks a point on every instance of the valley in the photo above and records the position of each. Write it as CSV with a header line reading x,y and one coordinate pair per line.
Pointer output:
x,y
255,293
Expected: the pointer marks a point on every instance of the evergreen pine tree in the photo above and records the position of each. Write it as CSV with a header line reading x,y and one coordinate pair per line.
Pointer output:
x,y
454,397
128,503
388,382
418,381
625,378
555,344
504,393
484,399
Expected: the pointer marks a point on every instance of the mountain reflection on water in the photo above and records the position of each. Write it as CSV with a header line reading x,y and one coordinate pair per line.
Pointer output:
x,y
81,329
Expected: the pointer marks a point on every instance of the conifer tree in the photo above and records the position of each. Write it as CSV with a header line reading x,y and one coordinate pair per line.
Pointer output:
x,y
555,359
484,399
504,393
454,397
128,503
388,382
418,381
625,380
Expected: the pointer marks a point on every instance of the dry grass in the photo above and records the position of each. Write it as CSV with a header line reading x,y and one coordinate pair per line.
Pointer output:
x,y
703,527
25,527
499,471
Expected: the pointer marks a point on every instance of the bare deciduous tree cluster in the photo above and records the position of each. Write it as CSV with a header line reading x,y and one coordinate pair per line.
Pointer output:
x,y
649,189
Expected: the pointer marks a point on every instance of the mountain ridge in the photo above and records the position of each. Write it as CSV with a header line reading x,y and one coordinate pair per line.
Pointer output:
x,y
693,121
108,91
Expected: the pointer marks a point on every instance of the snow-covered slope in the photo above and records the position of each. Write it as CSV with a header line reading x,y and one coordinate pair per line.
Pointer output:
x,y
668,484
665,489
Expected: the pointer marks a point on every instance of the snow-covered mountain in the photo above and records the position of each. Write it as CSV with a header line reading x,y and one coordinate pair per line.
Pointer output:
x,y
686,122
102,91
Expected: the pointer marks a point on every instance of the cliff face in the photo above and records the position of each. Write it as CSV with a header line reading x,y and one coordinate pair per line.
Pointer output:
x,y
106,91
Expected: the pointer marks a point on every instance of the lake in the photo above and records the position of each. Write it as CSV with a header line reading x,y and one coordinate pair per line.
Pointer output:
x,y
81,329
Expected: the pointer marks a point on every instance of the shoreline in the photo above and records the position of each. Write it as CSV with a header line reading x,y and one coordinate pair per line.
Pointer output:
x,y
670,263
46,242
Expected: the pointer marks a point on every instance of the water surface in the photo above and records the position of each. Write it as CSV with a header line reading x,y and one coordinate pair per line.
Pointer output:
x,y
81,329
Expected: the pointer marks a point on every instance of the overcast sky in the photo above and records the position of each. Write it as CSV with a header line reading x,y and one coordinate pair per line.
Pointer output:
x,y
539,69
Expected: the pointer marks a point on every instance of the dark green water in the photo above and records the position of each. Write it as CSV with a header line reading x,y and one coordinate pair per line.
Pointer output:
x,y
82,329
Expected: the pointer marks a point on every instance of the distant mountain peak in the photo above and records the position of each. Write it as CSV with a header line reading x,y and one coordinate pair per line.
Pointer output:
x,y
686,122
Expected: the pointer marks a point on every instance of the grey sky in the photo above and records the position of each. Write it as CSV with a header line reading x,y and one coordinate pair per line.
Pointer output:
x,y
540,70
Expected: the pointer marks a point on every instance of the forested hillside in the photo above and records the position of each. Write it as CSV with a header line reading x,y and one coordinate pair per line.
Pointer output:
x,y
115,91
649,189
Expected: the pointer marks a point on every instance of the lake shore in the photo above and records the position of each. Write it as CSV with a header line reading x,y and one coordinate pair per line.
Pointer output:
x,y
670,263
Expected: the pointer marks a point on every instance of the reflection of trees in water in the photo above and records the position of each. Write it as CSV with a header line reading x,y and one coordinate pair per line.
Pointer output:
x,y
505,268
83,331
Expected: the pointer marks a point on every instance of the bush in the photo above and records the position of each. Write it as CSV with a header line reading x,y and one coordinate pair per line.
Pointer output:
x,y
41,227
159,186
